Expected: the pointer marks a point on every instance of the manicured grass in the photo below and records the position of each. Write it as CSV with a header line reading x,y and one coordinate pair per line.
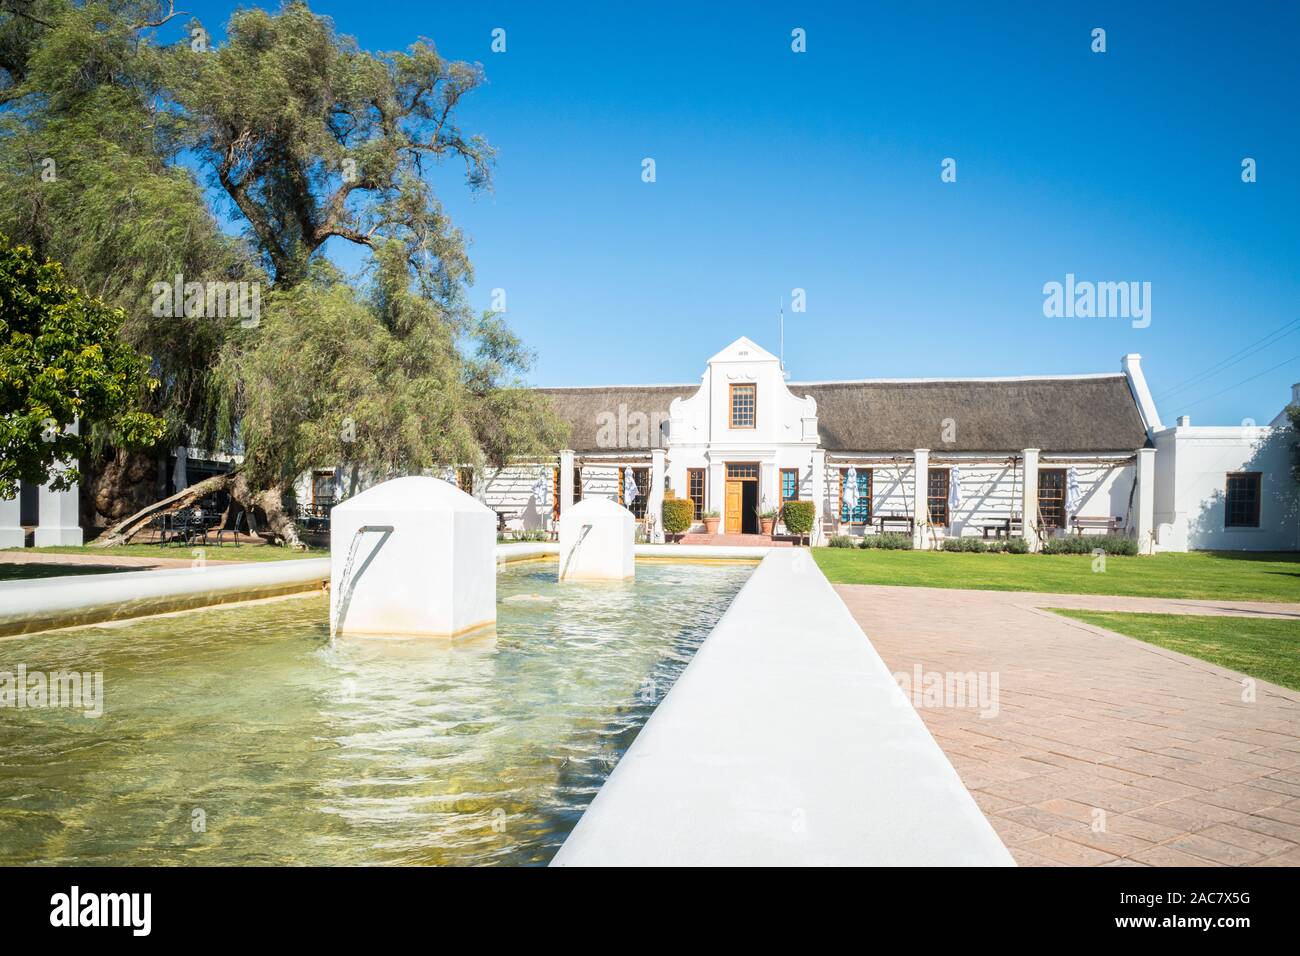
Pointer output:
x,y
1264,648
227,552
1246,577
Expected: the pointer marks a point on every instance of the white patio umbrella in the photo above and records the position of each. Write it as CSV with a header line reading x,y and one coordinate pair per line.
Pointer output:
x,y
851,490
1073,497
630,490
539,490
954,491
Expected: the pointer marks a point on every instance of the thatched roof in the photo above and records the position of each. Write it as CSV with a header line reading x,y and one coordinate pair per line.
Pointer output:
x,y
1084,414
584,408
1081,414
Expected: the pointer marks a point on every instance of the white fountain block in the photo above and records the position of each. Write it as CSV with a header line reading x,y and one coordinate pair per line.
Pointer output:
x,y
597,537
433,574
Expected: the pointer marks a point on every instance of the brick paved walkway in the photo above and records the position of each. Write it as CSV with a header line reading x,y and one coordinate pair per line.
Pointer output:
x,y
1104,750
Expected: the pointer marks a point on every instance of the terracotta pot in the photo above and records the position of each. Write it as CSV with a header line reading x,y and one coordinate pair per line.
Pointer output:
x,y
768,525
710,525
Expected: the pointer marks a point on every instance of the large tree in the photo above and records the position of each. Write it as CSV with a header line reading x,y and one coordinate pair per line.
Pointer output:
x,y
308,139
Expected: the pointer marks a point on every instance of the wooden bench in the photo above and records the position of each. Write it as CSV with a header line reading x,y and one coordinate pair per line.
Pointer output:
x,y
1108,524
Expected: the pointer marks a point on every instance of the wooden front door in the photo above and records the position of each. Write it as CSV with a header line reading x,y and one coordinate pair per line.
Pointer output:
x,y
735,502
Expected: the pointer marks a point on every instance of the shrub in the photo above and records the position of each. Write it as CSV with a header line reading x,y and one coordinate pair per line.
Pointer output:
x,y
964,544
1017,546
890,541
842,541
679,513
1087,544
798,517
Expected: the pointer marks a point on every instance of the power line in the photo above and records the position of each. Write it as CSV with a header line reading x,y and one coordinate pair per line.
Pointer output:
x,y
1242,382
1235,358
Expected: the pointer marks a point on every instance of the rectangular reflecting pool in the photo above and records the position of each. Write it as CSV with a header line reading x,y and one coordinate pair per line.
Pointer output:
x,y
240,735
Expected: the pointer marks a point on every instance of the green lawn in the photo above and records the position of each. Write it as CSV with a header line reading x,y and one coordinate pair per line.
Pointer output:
x,y
1246,577
227,552
1264,648
27,572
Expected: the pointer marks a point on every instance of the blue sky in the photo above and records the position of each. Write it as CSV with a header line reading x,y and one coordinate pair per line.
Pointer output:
x,y
821,171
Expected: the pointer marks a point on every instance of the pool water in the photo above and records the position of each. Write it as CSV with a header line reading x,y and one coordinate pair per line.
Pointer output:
x,y
242,736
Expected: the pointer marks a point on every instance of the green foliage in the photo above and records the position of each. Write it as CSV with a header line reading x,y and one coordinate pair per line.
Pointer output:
x,y
889,541
798,517
679,514
61,362
842,541
1293,417
968,544
1087,544
1017,545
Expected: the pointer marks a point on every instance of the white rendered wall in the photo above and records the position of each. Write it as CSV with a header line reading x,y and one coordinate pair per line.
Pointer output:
x,y
597,538
1192,466
433,575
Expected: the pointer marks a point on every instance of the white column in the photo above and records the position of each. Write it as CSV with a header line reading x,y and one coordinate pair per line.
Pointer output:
x,y
818,493
716,493
566,480
1146,500
920,497
60,520
769,495
1029,498
655,504
11,522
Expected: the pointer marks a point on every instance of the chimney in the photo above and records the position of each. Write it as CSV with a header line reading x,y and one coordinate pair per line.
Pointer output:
x,y
1184,421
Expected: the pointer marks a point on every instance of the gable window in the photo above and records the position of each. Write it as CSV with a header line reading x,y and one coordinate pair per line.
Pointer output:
x,y
1051,497
860,513
744,406
789,484
1242,505
695,489
937,496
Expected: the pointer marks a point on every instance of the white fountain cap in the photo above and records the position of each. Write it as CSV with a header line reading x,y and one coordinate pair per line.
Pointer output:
x,y
412,556
413,493
597,537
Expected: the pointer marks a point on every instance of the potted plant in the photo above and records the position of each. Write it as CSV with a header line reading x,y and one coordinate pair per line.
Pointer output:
x,y
766,518
710,519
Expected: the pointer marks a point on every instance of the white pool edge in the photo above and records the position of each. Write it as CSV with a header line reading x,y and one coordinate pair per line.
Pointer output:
x,y
786,741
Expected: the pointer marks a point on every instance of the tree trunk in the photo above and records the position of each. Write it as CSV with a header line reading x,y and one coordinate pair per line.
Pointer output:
x,y
276,526
116,486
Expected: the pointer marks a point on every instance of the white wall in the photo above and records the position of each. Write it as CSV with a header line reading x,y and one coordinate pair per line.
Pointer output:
x,y
1192,465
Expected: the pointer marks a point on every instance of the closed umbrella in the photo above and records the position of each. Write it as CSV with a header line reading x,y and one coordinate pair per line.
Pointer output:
x,y
630,490
954,491
539,490
851,490
1072,496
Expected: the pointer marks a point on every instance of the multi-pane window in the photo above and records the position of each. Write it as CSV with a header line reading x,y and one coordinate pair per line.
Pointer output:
x,y
1242,505
634,503
465,480
322,489
789,484
744,405
860,513
695,489
1051,497
937,496
577,483
742,470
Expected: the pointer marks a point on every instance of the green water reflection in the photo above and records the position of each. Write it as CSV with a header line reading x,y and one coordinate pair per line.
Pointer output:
x,y
241,736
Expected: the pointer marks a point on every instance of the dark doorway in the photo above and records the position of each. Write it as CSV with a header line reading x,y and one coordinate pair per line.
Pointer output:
x,y
749,508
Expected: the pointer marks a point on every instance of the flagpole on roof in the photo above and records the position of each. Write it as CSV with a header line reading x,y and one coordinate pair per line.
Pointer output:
x,y
780,306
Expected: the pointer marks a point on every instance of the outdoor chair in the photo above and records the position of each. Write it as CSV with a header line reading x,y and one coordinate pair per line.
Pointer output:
x,y
231,525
